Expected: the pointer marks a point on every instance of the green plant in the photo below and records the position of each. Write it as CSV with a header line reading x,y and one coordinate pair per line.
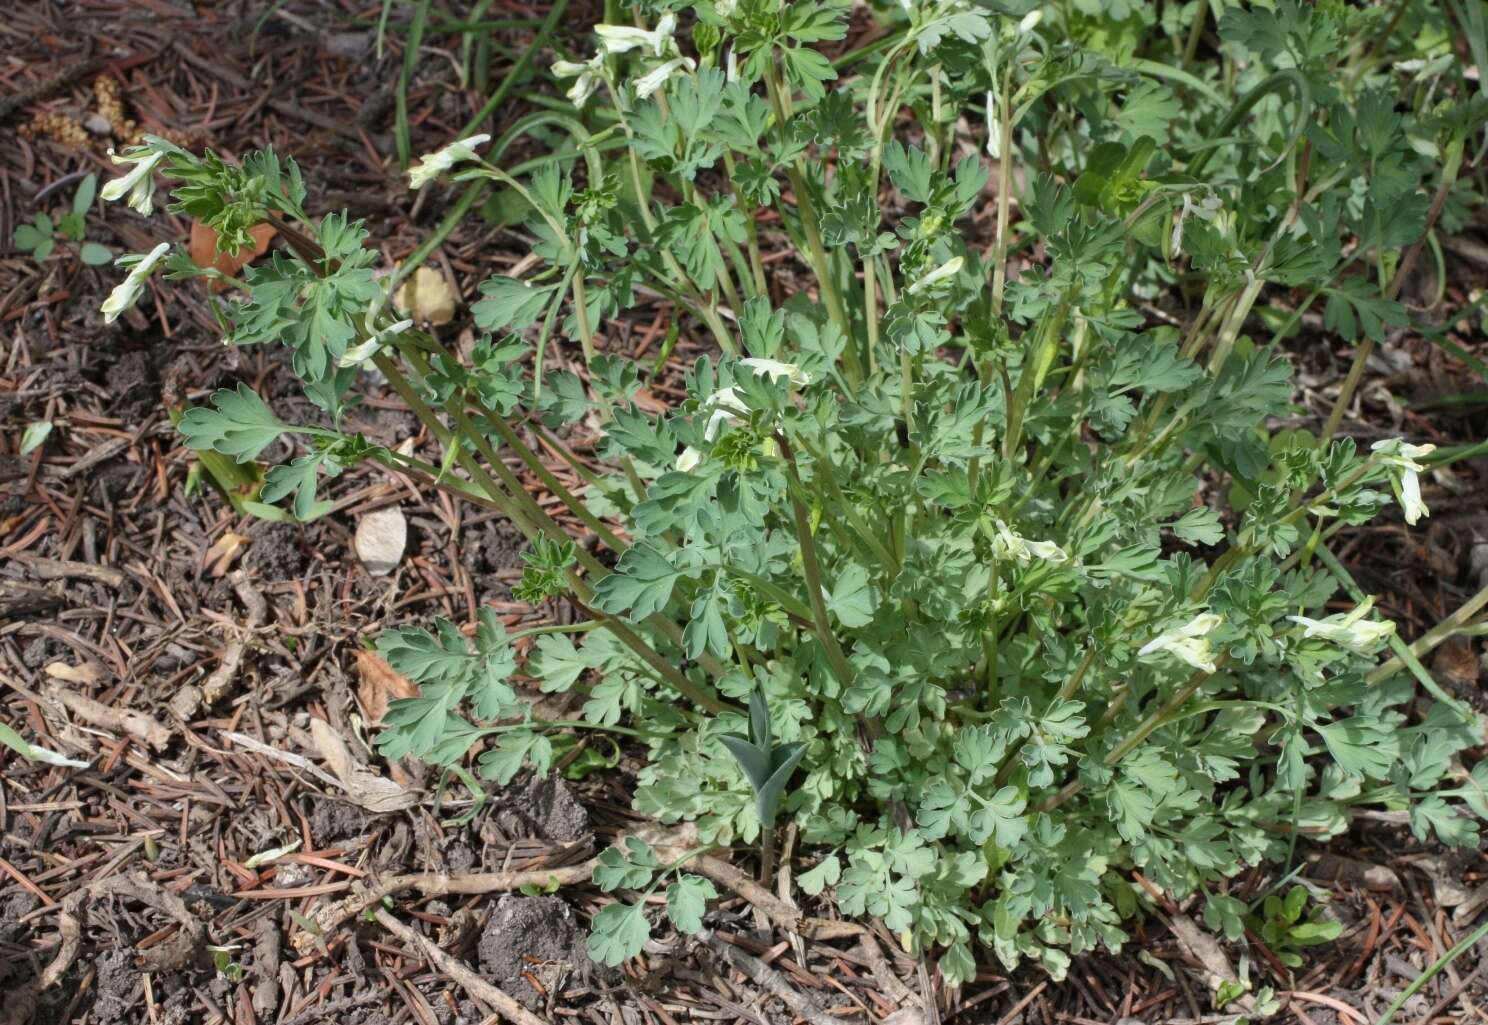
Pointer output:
x,y
619,929
225,963
31,752
992,527
1286,926
767,767
40,237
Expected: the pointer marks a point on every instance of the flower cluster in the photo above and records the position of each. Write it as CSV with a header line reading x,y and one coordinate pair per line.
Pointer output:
x,y
657,46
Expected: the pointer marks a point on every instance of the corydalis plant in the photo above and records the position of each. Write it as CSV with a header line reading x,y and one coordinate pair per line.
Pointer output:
x,y
1033,584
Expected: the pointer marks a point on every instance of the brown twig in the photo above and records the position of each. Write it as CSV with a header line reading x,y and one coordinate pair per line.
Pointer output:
x,y
762,974
460,972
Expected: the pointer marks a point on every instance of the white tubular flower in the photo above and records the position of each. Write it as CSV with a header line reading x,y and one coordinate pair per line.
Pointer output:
x,y
775,370
1400,456
589,75
1030,21
1009,545
138,185
657,76
689,459
434,164
731,66
1351,630
728,409
1189,642
623,38
127,292
994,128
359,354
947,270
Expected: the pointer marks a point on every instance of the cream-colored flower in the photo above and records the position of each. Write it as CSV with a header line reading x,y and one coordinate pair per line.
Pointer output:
x,y
1400,456
587,76
434,164
657,76
1030,21
994,127
727,409
775,370
726,406
1189,642
1008,545
624,38
945,271
359,354
127,292
1349,630
138,185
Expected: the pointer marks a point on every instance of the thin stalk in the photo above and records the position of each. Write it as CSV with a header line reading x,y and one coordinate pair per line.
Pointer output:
x,y
530,459
1145,729
816,251
1066,691
1004,192
702,698
812,570
581,313
823,467
1403,653
751,229
1456,623
700,305
1450,168
767,854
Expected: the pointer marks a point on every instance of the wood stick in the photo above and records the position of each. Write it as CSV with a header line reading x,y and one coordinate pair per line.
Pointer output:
x,y
461,973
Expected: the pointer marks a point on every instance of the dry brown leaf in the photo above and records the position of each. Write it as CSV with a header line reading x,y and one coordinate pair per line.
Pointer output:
x,y
86,673
648,402
381,537
426,297
1457,661
1205,949
380,683
219,558
363,786
203,249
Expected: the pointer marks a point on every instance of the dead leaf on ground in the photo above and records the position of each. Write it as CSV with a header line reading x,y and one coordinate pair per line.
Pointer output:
x,y
219,558
426,297
649,402
1457,661
381,537
380,683
87,673
203,249
1205,949
363,786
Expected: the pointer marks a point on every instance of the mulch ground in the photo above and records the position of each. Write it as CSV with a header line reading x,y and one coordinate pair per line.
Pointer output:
x,y
200,659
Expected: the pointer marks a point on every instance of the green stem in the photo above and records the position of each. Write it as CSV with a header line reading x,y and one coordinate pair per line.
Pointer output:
x,y
816,251
1450,168
812,570
551,482
1145,729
